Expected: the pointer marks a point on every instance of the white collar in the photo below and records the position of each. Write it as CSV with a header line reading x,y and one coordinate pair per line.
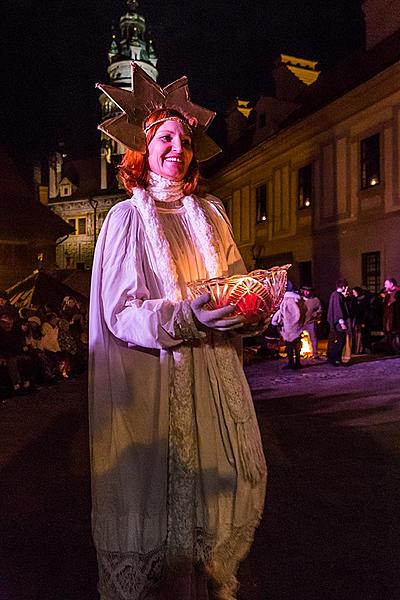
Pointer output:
x,y
163,189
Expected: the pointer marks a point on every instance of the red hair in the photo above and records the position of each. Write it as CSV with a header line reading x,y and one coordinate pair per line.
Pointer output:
x,y
134,168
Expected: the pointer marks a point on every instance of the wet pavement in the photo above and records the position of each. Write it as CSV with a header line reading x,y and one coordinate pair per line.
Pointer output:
x,y
331,526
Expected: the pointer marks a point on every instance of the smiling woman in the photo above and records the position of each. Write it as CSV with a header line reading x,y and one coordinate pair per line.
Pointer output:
x,y
170,150
178,472
162,141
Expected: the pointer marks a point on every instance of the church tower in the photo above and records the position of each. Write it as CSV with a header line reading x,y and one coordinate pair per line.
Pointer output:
x,y
132,43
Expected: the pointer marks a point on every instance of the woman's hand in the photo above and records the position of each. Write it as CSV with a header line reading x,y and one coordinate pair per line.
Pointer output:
x,y
215,319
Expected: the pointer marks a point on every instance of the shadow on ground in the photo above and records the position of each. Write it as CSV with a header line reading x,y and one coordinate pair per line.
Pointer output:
x,y
330,530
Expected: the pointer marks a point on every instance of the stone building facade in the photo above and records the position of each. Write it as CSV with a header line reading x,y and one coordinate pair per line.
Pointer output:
x,y
321,188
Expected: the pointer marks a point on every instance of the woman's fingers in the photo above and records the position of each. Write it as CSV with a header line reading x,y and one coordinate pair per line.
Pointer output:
x,y
222,318
228,323
220,313
198,302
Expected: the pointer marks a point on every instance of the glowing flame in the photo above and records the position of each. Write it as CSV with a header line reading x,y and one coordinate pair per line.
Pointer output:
x,y
306,347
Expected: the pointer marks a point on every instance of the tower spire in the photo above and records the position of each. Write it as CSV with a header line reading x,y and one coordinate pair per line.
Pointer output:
x,y
132,42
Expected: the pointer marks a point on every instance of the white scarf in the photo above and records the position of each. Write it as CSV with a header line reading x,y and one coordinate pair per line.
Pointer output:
x,y
164,190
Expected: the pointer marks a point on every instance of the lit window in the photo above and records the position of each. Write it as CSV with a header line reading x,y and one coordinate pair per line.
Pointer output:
x,y
261,203
79,224
304,187
82,226
370,162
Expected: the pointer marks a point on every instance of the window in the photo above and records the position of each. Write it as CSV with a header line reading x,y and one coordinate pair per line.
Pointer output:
x,y
65,190
82,226
261,203
304,187
371,270
79,224
370,162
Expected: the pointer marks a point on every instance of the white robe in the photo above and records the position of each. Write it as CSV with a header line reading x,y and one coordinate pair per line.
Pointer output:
x,y
132,339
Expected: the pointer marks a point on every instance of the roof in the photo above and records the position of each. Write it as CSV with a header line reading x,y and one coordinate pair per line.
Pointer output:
x,y
348,74
22,216
84,174
39,289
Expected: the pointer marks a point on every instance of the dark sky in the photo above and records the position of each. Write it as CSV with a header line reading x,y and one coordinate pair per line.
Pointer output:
x,y
55,50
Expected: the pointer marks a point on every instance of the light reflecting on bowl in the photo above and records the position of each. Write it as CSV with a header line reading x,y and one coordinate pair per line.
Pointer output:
x,y
256,295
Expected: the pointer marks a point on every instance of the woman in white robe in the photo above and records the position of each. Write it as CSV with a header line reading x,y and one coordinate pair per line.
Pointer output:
x,y
178,473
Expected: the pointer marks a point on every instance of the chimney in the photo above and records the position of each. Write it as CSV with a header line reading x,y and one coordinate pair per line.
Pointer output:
x,y
55,169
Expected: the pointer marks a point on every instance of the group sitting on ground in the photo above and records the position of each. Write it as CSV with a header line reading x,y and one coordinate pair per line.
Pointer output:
x,y
39,346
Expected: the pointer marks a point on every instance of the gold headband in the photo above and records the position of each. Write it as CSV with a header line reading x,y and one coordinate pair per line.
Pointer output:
x,y
179,119
145,97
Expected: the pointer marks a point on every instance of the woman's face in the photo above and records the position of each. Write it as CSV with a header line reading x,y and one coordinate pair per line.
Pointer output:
x,y
170,151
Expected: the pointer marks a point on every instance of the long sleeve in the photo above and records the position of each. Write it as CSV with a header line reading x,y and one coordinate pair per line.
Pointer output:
x,y
131,312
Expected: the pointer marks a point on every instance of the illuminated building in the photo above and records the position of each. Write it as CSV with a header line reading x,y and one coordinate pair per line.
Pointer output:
x,y
314,176
82,191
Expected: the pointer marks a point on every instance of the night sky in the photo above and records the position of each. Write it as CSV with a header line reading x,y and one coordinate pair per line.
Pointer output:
x,y
55,50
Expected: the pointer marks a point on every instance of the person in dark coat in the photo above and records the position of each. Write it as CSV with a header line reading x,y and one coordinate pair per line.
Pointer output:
x,y
338,319
359,319
13,355
391,315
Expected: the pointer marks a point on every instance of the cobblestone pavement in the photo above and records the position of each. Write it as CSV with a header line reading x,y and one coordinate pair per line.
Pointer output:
x,y
331,527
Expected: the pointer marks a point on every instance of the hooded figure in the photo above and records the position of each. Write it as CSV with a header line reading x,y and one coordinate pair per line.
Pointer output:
x,y
290,319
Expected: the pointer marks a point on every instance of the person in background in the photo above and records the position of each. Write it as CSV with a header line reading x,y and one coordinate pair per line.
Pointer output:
x,y
338,319
49,342
391,314
290,318
68,348
13,355
7,307
359,319
313,315
31,329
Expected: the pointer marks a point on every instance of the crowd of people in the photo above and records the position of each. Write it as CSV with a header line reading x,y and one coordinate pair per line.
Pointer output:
x,y
359,321
40,346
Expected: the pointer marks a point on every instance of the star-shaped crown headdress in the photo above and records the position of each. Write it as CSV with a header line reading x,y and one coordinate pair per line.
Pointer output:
x,y
144,98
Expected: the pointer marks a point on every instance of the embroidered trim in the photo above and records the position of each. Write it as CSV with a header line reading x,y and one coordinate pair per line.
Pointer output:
x,y
249,441
182,461
130,575
184,325
163,189
174,204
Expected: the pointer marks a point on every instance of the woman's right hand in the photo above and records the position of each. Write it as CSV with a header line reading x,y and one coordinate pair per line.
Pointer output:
x,y
221,319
